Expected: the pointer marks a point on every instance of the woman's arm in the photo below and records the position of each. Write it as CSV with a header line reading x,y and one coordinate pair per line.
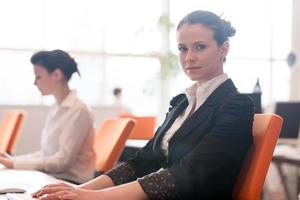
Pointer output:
x,y
131,190
98,183
27,161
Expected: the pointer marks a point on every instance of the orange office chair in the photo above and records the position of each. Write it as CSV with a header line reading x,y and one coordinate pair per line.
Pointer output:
x,y
110,141
266,129
144,128
10,128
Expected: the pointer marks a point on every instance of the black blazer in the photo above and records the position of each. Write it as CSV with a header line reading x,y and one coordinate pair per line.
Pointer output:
x,y
206,153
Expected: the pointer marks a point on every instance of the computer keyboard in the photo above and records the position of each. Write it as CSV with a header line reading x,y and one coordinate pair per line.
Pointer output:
x,y
18,196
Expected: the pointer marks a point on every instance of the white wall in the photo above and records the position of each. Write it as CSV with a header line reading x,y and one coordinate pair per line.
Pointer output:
x,y
295,71
29,139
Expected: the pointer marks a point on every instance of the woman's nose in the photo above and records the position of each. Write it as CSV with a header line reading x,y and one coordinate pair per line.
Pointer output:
x,y
190,55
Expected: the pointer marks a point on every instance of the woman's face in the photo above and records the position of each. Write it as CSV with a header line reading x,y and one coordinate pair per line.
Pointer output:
x,y
43,80
200,56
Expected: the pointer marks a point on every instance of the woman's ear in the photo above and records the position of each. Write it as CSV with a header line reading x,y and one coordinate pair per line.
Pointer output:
x,y
224,49
58,75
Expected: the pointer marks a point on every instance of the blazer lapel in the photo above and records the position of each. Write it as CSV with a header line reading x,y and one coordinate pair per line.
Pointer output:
x,y
181,102
207,108
195,120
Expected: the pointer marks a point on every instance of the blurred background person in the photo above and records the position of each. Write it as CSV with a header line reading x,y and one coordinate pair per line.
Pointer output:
x,y
68,135
117,92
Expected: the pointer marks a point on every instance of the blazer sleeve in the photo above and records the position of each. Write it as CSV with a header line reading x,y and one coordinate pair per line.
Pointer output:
x,y
141,164
209,171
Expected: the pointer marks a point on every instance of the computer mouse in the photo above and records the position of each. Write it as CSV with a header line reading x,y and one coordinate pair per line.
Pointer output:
x,y
5,190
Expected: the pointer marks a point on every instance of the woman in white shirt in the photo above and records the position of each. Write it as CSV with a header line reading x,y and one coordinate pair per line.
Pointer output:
x,y
67,138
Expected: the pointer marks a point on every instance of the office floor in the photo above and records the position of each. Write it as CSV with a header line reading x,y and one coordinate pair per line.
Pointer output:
x,y
273,188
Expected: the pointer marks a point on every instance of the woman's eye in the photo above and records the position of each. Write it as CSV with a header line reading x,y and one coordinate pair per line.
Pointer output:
x,y
182,49
200,47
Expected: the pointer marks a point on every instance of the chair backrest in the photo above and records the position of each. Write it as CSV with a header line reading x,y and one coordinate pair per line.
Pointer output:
x,y
266,129
144,127
10,128
110,140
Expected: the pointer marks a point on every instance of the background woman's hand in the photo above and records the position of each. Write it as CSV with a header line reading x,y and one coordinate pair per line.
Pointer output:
x,y
8,163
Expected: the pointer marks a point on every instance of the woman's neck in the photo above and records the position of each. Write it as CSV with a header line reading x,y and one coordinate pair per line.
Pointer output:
x,y
200,82
61,94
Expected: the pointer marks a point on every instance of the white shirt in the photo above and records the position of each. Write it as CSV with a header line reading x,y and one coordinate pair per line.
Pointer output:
x,y
196,95
66,143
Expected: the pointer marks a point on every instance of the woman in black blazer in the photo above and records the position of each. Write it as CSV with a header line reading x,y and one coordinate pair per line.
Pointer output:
x,y
198,151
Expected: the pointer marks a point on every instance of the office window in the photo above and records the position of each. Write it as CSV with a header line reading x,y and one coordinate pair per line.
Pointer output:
x,y
139,81
106,37
21,24
17,78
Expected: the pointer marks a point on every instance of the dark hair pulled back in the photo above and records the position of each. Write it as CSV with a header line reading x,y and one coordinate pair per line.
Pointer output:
x,y
56,59
222,29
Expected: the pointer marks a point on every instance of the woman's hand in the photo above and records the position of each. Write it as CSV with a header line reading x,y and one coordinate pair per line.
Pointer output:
x,y
63,191
8,163
46,189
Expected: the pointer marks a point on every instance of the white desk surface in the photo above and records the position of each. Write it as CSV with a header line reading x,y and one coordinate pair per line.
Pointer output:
x,y
136,143
29,180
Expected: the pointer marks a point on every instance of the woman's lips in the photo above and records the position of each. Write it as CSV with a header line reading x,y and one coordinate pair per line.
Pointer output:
x,y
192,68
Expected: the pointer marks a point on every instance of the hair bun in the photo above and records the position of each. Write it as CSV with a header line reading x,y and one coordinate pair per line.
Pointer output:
x,y
229,31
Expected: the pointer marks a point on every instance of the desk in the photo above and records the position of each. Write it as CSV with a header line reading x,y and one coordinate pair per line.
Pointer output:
x,y
29,180
136,143
287,141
